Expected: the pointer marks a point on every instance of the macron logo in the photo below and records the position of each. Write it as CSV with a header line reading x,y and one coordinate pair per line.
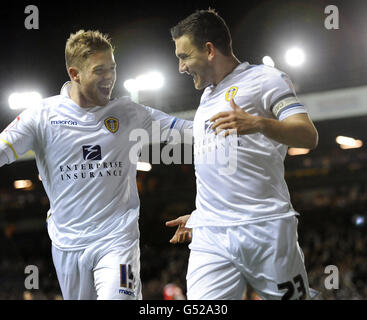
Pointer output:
x,y
64,122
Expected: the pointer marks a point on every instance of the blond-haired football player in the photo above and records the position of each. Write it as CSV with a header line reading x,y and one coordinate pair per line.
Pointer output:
x,y
82,147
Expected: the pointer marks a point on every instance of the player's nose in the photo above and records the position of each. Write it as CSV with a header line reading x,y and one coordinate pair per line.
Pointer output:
x,y
182,68
110,76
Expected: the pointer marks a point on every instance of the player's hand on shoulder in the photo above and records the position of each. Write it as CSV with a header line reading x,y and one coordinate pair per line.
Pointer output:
x,y
235,121
182,233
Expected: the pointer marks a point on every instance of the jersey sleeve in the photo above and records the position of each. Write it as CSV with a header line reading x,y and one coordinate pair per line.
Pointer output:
x,y
278,96
157,120
18,137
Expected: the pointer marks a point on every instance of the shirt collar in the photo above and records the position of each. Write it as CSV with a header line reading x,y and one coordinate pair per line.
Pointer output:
x,y
239,68
65,90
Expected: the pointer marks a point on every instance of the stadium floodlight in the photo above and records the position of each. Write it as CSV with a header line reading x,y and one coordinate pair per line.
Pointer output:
x,y
345,140
131,85
297,151
348,143
23,184
359,220
24,100
145,82
150,81
143,166
295,57
268,61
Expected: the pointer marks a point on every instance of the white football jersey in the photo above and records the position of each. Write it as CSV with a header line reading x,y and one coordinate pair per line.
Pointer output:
x,y
84,159
240,179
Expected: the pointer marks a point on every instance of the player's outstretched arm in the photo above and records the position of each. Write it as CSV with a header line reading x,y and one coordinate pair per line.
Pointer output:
x,y
182,233
3,158
167,122
294,131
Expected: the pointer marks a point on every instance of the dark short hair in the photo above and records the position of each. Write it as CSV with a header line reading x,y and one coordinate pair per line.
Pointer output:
x,y
205,26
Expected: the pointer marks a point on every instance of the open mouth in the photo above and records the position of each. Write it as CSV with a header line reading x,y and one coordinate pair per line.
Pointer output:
x,y
105,90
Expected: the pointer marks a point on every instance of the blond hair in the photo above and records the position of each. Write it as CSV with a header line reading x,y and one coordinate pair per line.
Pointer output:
x,y
82,44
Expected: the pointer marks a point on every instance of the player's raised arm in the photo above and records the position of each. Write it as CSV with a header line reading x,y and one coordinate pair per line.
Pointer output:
x,y
284,119
167,124
295,131
18,137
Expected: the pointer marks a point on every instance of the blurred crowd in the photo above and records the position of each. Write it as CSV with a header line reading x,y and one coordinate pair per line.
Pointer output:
x,y
332,228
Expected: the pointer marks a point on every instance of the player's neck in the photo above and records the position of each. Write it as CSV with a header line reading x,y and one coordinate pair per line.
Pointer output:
x,y
225,66
78,97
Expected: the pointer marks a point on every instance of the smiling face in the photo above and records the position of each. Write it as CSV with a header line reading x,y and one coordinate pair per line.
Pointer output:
x,y
97,78
194,62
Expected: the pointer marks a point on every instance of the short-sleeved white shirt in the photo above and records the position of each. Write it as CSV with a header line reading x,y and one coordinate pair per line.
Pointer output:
x,y
241,179
83,157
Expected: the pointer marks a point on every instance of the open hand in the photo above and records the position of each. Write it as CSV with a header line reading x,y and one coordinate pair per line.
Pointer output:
x,y
182,234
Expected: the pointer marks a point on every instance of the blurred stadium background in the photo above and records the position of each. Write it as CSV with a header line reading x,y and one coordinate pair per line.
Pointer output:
x,y
328,185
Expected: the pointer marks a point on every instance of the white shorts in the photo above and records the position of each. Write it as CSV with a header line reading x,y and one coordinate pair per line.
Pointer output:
x,y
107,270
265,255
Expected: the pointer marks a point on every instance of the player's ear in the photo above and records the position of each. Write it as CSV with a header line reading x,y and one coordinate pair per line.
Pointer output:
x,y
74,74
210,50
